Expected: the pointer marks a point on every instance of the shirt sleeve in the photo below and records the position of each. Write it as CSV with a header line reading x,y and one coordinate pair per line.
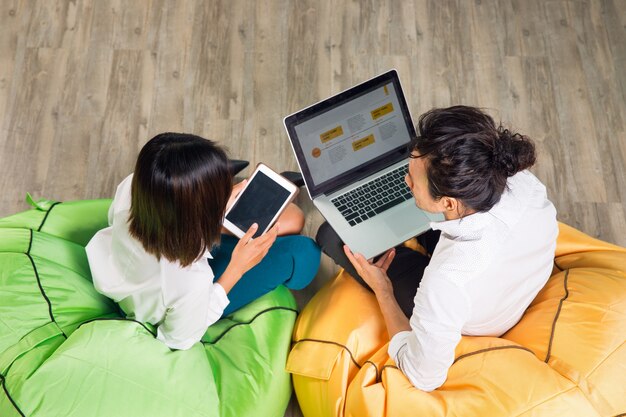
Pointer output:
x,y
425,353
122,198
197,304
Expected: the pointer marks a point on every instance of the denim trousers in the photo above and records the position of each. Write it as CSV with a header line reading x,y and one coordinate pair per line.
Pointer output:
x,y
292,261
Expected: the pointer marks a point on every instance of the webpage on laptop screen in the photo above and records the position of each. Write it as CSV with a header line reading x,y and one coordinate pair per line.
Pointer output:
x,y
352,133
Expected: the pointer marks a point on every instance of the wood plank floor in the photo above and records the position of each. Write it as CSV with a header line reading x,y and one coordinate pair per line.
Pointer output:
x,y
84,84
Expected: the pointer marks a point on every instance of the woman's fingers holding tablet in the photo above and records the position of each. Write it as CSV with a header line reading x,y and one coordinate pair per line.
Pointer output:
x,y
249,252
271,234
248,235
266,241
243,250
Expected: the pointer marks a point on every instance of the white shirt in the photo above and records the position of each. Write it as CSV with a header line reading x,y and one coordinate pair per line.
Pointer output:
x,y
182,302
483,274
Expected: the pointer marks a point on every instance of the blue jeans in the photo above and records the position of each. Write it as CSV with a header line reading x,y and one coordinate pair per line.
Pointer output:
x,y
292,261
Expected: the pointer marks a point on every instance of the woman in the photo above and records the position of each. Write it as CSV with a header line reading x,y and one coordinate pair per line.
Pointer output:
x,y
154,259
488,259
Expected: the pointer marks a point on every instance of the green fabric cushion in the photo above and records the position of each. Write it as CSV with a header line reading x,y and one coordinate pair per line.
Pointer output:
x,y
66,351
76,221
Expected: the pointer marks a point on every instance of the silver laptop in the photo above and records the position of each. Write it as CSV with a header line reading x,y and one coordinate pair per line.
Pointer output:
x,y
353,154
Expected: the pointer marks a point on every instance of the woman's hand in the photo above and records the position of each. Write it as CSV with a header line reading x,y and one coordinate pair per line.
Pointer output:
x,y
247,253
374,274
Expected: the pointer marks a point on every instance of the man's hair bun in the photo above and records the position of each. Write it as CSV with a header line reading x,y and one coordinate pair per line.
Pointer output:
x,y
469,156
512,152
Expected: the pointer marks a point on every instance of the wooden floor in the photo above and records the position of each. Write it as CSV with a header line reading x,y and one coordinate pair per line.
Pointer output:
x,y
84,84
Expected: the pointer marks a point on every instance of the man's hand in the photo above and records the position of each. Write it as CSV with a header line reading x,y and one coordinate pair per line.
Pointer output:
x,y
374,274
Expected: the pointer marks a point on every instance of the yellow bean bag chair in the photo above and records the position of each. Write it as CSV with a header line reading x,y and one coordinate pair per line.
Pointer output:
x,y
566,356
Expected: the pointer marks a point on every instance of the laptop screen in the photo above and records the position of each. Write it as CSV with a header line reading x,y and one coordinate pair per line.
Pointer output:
x,y
351,135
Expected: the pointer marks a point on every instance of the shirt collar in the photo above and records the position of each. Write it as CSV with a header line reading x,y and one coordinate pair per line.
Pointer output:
x,y
207,254
464,226
508,210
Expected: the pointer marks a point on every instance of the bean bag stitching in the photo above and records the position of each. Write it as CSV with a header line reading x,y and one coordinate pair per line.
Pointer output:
x,y
43,293
557,266
45,296
595,368
465,355
379,379
30,245
378,375
584,391
387,366
6,391
206,343
118,319
374,365
46,216
332,343
241,323
30,241
548,399
556,316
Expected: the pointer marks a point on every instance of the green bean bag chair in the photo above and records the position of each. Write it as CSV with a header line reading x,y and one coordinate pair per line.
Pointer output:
x,y
66,350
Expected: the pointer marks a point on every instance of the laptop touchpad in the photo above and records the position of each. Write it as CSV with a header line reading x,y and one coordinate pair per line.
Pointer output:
x,y
406,222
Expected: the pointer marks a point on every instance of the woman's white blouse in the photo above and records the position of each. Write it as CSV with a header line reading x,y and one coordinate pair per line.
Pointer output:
x,y
483,274
182,302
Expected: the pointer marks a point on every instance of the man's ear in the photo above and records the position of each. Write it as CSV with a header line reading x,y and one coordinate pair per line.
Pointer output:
x,y
450,204
452,208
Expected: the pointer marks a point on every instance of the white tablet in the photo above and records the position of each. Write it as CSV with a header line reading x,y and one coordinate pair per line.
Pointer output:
x,y
263,199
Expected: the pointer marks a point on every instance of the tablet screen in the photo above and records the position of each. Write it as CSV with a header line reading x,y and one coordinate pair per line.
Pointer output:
x,y
259,203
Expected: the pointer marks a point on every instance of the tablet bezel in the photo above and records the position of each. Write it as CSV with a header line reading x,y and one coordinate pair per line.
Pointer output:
x,y
277,178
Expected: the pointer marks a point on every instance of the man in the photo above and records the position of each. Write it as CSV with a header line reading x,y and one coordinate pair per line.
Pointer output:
x,y
489,257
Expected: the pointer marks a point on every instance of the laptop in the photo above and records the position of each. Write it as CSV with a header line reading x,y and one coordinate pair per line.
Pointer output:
x,y
352,150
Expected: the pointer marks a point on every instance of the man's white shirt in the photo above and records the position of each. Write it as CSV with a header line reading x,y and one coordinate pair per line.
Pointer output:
x,y
485,271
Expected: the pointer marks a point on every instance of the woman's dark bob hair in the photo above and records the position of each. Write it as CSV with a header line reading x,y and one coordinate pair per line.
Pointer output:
x,y
179,193
468,157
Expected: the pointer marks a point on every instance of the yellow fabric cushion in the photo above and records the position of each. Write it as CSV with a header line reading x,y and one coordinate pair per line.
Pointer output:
x,y
566,356
337,331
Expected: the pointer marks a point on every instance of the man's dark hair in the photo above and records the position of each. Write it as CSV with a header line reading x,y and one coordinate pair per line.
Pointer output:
x,y
468,157
179,193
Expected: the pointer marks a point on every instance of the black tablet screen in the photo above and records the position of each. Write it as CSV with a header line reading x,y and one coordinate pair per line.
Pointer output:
x,y
259,203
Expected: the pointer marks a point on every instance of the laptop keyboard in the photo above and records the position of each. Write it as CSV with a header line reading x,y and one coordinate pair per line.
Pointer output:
x,y
375,197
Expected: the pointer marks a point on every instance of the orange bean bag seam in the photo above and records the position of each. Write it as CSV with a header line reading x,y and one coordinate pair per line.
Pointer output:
x,y
574,388
379,372
556,316
331,343
595,368
463,356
